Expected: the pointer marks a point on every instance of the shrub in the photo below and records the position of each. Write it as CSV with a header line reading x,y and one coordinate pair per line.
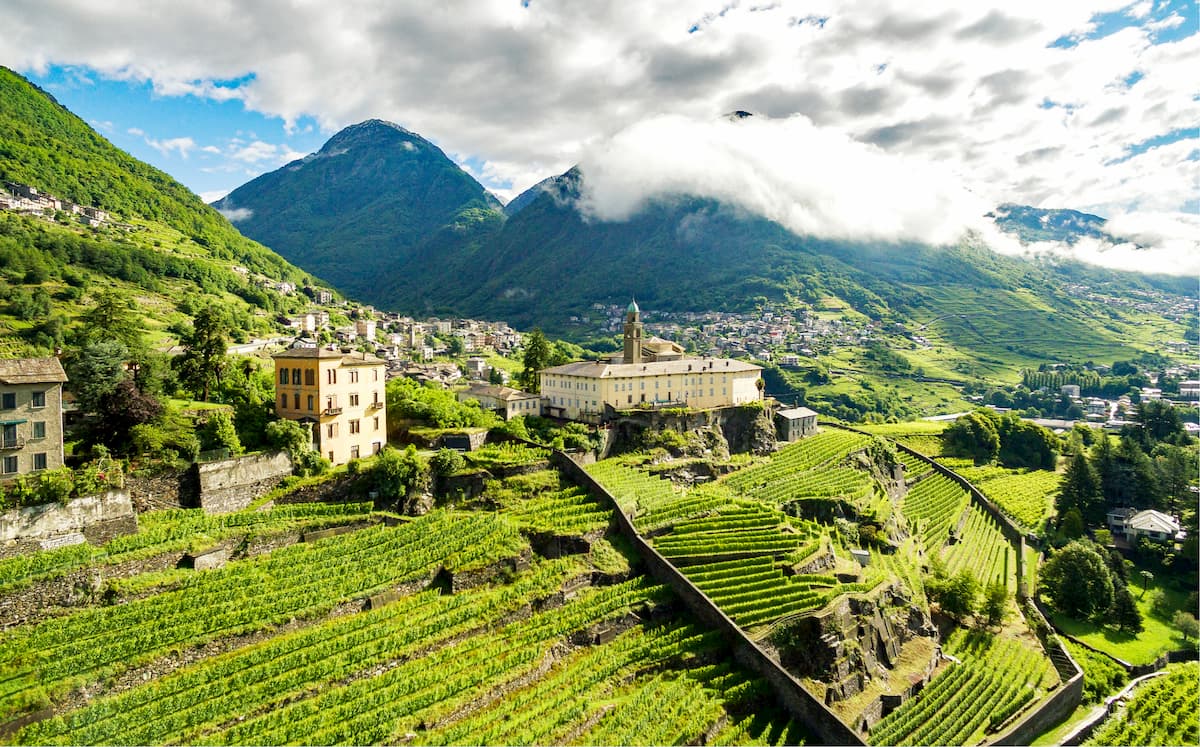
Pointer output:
x,y
446,462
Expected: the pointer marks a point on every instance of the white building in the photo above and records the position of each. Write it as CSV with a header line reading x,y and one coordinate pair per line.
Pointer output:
x,y
580,391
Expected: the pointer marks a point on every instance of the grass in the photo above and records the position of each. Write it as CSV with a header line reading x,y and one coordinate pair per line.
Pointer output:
x,y
1156,638
1056,733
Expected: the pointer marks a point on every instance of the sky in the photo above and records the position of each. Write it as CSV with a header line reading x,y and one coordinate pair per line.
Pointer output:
x,y
873,118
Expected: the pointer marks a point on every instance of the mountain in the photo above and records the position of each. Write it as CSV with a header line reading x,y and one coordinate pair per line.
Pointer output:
x,y
1038,224
362,207
159,244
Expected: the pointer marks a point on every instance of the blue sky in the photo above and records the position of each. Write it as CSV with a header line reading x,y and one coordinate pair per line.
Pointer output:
x,y
1088,104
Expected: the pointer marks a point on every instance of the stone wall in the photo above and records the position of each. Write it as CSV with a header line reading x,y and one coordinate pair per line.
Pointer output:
x,y
799,703
93,518
232,484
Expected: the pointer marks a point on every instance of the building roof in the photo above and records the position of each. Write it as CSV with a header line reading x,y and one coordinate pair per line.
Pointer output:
x,y
633,307
795,413
31,371
598,370
1152,521
348,359
503,393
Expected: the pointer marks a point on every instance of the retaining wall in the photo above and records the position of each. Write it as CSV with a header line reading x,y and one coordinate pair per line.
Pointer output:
x,y
93,518
232,484
824,724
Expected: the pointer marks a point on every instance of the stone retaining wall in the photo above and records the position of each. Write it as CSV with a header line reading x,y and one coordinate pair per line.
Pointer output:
x,y
232,484
799,703
93,518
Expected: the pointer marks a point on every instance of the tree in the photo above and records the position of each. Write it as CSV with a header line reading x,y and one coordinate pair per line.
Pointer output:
x,y
396,473
974,435
995,597
114,317
202,363
1146,577
218,432
1080,490
446,462
95,372
957,595
1158,421
1124,613
1077,581
125,407
1025,444
1071,523
1187,624
537,357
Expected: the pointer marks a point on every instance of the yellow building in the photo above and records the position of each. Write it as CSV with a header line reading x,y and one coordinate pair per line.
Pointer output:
x,y
340,395
657,377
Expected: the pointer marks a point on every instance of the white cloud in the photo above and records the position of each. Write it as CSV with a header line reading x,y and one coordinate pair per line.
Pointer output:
x,y
236,214
815,181
214,195
211,149
135,131
180,145
528,91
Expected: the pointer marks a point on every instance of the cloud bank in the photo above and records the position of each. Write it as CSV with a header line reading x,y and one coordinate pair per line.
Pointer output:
x,y
818,181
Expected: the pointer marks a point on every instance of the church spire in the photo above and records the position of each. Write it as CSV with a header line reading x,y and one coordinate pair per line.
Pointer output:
x,y
633,334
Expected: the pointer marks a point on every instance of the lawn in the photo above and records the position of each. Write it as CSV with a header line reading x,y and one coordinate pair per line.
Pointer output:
x,y
1156,638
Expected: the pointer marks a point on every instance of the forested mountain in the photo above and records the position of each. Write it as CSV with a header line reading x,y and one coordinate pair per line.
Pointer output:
x,y
373,198
159,244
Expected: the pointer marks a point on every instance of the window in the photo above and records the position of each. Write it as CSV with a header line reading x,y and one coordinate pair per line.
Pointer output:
x,y
39,429
331,456
8,401
376,422
354,452
376,372
331,376
354,400
331,430
354,426
9,466
310,402
39,461
376,401
39,399
296,401
283,376
296,376
330,402
354,377
283,401
376,447
310,377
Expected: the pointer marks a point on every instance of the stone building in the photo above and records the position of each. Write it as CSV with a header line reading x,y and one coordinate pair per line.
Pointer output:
x,y
340,396
650,374
31,423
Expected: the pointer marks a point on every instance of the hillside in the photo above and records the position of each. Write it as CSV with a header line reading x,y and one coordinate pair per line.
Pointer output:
x,y
159,244
374,197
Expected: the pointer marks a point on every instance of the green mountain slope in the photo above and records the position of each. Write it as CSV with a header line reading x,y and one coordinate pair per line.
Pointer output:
x,y
163,247
362,206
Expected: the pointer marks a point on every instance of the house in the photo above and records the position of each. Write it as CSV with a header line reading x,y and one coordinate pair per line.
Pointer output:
x,y
646,377
31,422
505,400
340,396
365,328
1153,525
795,423
478,368
1132,525
1189,389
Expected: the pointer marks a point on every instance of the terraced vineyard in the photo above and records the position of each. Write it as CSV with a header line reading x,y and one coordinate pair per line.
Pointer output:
x,y
799,457
734,549
1163,711
932,507
983,550
995,679
174,531
1025,495
267,651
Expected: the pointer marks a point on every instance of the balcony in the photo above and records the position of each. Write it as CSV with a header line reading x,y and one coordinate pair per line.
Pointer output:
x,y
332,411
11,444
375,405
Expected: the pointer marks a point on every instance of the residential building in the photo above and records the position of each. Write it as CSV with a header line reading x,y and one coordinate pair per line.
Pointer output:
x,y
1153,525
654,375
340,396
31,423
795,423
508,402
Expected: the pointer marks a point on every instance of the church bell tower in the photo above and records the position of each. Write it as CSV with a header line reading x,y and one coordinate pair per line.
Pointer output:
x,y
633,333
